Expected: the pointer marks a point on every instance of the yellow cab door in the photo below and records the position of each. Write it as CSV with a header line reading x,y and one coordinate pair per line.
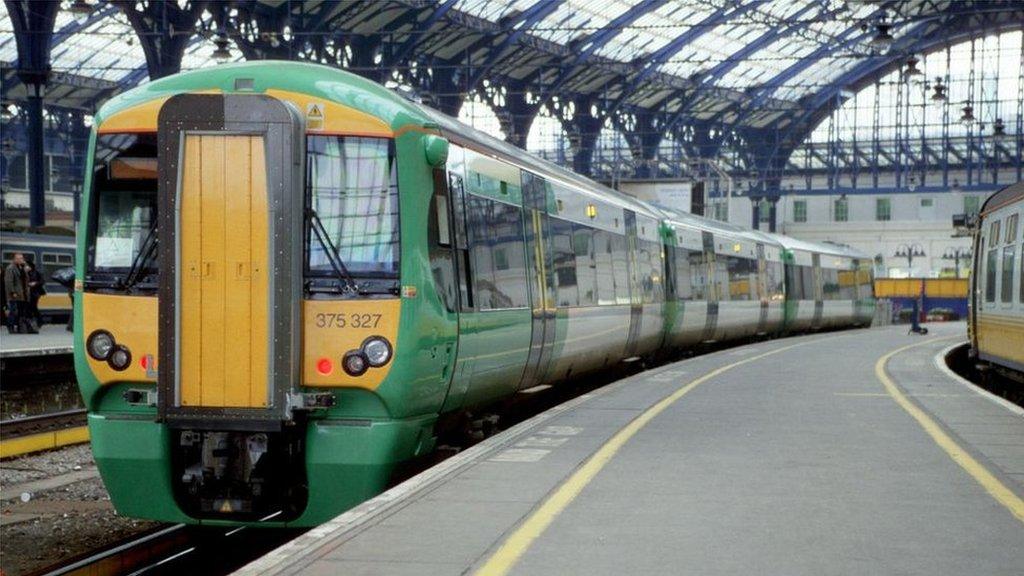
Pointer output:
x,y
223,308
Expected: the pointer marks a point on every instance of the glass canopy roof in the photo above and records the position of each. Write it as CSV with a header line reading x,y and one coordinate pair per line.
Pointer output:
x,y
784,49
743,43
104,47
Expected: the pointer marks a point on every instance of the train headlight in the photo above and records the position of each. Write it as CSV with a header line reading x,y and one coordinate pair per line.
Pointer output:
x,y
377,350
120,358
100,344
355,363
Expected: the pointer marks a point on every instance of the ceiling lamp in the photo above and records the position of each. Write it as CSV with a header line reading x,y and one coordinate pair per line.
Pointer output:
x,y
6,114
998,129
912,71
222,52
80,10
939,94
883,38
967,119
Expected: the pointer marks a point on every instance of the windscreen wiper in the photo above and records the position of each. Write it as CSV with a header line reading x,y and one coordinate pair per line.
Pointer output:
x,y
141,261
331,251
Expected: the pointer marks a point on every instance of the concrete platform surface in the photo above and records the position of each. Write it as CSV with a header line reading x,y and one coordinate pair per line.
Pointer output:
x,y
839,453
52,339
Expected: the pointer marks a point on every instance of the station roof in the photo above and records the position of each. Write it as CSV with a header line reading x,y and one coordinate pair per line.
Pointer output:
x,y
741,62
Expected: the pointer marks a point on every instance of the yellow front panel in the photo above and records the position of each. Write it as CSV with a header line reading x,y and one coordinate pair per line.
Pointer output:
x,y
132,321
332,327
223,286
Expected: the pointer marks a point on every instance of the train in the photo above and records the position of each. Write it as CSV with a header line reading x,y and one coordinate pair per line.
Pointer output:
x,y
50,253
291,280
995,322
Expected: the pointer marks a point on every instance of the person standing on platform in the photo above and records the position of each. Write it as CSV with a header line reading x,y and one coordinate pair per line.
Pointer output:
x,y
36,290
16,288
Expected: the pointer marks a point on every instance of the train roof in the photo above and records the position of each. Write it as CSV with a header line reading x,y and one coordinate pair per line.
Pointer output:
x,y
308,78
677,218
1009,195
829,248
482,140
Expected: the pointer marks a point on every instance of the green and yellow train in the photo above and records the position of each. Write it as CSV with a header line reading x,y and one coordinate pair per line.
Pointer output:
x,y
289,275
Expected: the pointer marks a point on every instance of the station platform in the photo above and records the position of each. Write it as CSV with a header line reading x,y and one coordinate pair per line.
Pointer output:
x,y
51,339
852,452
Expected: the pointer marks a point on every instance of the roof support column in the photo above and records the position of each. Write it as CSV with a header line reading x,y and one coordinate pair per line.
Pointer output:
x,y
36,156
33,23
164,31
644,139
583,130
516,114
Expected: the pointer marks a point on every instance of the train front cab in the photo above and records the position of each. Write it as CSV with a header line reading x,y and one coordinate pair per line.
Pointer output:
x,y
244,404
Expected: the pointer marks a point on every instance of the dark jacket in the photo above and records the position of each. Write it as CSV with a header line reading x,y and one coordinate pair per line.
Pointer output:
x,y
15,283
39,289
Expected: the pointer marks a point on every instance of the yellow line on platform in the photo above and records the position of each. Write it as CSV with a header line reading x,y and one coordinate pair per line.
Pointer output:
x,y
43,441
988,481
519,541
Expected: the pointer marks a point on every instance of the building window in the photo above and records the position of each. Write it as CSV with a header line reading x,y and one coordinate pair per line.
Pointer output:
x,y
883,209
800,210
842,210
926,202
721,211
972,204
765,208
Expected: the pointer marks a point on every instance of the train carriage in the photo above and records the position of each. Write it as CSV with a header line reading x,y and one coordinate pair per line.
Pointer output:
x,y
290,276
996,303
50,253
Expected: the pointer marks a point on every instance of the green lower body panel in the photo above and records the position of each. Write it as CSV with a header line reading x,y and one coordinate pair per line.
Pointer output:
x,y
347,462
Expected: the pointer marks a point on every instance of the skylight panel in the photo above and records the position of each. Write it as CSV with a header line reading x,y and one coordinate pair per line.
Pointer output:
x,y
655,29
107,49
579,18
492,10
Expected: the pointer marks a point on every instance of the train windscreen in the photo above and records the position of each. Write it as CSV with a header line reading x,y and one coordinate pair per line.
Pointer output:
x,y
352,188
124,202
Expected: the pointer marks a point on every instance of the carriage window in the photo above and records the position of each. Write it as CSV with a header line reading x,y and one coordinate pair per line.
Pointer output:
x,y
1011,229
495,231
993,233
991,273
586,265
125,201
1009,259
352,184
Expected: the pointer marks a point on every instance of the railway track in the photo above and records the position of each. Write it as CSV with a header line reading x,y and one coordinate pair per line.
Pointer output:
x,y
176,549
20,436
41,423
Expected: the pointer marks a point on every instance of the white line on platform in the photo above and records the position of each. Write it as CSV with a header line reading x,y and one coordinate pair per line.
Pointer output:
x,y
940,363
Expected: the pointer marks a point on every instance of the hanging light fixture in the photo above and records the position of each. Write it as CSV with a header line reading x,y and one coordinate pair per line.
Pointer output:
x,y
912,72
883,39
967,119
6,114
998,129
80,10
939,94
223,52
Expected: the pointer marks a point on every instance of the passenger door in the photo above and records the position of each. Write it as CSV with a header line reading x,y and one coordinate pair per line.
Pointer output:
x,y
712,286
230,258
540,269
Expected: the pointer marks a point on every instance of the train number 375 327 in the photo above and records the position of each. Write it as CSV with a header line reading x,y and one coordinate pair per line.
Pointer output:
x,y
325,320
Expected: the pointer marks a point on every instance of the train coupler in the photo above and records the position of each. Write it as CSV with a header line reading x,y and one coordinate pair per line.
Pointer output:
x,y
311,401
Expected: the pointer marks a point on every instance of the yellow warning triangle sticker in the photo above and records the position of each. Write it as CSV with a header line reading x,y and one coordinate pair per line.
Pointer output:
x,y
314,111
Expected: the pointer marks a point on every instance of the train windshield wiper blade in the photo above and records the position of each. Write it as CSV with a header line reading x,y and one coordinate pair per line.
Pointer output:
x,y
331,251
142,258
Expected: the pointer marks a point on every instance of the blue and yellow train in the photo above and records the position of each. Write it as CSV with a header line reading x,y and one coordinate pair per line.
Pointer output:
x,y
289,276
